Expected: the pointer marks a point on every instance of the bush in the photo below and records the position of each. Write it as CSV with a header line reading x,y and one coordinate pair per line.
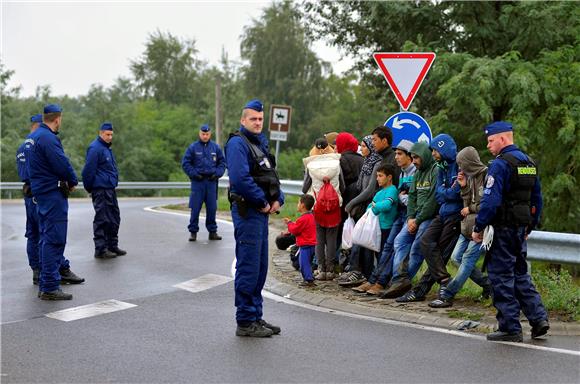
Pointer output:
x,y
559,292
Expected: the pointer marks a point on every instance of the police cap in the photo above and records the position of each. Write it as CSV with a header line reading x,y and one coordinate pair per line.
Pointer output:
x,y
498,127
52,108
204,128
107,126
255,104
36,118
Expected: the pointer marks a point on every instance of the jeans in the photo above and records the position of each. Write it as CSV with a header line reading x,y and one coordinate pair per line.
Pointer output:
x,y
408,243
465,256
305,255
384,271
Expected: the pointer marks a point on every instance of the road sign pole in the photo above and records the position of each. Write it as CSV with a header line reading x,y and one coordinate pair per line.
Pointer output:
x,y
277,151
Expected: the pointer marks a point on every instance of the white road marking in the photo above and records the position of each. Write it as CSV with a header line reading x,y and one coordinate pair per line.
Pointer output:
x,y
203,283
90,310
281,299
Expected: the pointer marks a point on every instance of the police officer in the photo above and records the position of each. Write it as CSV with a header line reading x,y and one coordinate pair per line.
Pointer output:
x,y
32,230
100,178
52,178
512,204
254,193
204,163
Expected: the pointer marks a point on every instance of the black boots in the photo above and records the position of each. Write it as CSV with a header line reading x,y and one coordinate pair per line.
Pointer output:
x,y
193,236
35,276
274,328
106,254
118,251
55,295
69,277
540,329
255,329
505,336
214,236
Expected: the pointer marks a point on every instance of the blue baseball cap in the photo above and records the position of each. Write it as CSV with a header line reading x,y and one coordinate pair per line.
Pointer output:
x,y
36,118
255,104
107,126
205,128
498,127
52,108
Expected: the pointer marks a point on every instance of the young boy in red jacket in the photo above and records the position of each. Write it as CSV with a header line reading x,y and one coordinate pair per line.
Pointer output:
x,y
305,231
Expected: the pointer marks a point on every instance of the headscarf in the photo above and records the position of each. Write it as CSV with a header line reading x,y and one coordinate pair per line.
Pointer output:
x,y
369,161
346,142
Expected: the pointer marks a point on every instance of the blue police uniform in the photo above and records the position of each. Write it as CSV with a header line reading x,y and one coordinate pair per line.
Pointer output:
x,y
204,163
100,178
32,233
513,289
47,166
250,225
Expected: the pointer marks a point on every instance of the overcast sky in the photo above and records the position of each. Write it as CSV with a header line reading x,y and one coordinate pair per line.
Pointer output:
x,y
71,45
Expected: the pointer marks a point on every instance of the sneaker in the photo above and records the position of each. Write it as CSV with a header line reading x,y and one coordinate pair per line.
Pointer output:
x,y
540,329
69,277
35,276
375,289
214,236
396,290
106,254
441,303
363,287
321,276
254,330
307,284
118,251
274,328
193,236
55,295
344,276
410,297
355,278
505,336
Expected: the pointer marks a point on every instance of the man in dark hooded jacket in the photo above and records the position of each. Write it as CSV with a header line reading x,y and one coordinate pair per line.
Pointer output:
x,y
441,236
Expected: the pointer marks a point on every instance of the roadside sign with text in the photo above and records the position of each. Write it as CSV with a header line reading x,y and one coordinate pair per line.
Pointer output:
x,y
404,72
409,126
280,118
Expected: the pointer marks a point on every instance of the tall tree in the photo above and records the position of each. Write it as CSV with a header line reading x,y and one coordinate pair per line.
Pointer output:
x,y
167,69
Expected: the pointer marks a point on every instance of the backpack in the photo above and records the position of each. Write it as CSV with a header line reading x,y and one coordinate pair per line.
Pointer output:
x,y
327,207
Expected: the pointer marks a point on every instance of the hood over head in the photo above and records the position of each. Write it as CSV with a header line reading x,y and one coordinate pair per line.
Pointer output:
x,y
469,162
422,150
346,142
445,145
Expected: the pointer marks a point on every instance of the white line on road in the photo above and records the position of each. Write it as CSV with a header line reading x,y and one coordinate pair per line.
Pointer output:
x,y
90,310
281,299
203,283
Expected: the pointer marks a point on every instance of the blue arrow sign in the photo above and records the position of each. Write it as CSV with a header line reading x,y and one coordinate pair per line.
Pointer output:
x,y
408,126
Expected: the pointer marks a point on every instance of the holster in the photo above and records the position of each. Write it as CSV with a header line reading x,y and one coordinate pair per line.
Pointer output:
x,y
63,188
240,203
26,190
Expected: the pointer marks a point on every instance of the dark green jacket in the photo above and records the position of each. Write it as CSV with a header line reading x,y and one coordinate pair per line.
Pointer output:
x,y
422,204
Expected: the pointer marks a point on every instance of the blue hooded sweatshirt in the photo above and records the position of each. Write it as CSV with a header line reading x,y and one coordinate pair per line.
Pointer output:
x,y
448,191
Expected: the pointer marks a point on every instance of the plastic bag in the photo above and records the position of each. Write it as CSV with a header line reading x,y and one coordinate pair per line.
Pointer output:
x,y
347,233
367,232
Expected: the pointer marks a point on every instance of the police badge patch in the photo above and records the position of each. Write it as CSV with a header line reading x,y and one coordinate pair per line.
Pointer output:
x,y
490,181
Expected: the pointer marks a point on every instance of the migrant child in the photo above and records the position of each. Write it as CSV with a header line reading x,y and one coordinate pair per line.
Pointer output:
x,y
385,205
305,231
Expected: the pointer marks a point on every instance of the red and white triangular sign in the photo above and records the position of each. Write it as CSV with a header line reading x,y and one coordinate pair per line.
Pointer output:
x,y
404,72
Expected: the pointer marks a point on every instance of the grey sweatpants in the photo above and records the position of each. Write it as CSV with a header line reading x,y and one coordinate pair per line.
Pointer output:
x,y
326,247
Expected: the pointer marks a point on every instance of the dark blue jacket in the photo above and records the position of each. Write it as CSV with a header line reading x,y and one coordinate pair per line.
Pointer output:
x,y
448,191
203,160
46,162
239,159
498,184
21,161
100,169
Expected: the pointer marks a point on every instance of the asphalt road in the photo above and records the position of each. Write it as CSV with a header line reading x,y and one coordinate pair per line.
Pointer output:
x,y
171,335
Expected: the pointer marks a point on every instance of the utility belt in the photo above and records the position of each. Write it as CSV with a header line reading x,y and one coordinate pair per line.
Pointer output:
x,y
206,177
240,203
26,190
64,188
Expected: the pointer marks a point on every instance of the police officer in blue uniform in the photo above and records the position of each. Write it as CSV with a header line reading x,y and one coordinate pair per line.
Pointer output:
x,y
32,229
204,163
52,178
254,194
512,204
100,178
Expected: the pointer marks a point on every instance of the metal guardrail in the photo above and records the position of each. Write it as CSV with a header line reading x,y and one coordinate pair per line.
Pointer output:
x,y
553,247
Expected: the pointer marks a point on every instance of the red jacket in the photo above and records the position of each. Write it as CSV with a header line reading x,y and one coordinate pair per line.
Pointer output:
x,y
304,229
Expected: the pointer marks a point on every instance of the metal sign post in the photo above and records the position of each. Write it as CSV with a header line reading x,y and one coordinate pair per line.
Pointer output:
x,y
279,124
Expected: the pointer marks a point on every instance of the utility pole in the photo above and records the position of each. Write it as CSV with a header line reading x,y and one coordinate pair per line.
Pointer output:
x,y
218,109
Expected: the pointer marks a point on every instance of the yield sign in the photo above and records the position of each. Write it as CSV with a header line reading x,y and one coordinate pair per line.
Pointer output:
x,y
404,73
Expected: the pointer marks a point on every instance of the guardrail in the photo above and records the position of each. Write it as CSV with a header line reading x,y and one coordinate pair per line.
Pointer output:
x,y
553,247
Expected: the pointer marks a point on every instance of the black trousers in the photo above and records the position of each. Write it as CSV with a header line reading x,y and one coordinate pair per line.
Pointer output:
x,y
107,219
437,244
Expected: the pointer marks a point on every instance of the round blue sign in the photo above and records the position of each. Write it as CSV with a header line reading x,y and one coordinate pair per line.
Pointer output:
x,y
408,126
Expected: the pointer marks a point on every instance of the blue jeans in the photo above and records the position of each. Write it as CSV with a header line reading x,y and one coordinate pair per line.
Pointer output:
x,y
465,255
305,259
384,270
408,243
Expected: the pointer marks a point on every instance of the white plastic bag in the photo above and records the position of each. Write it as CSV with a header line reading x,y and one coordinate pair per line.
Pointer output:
x,y
347,233
367,232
